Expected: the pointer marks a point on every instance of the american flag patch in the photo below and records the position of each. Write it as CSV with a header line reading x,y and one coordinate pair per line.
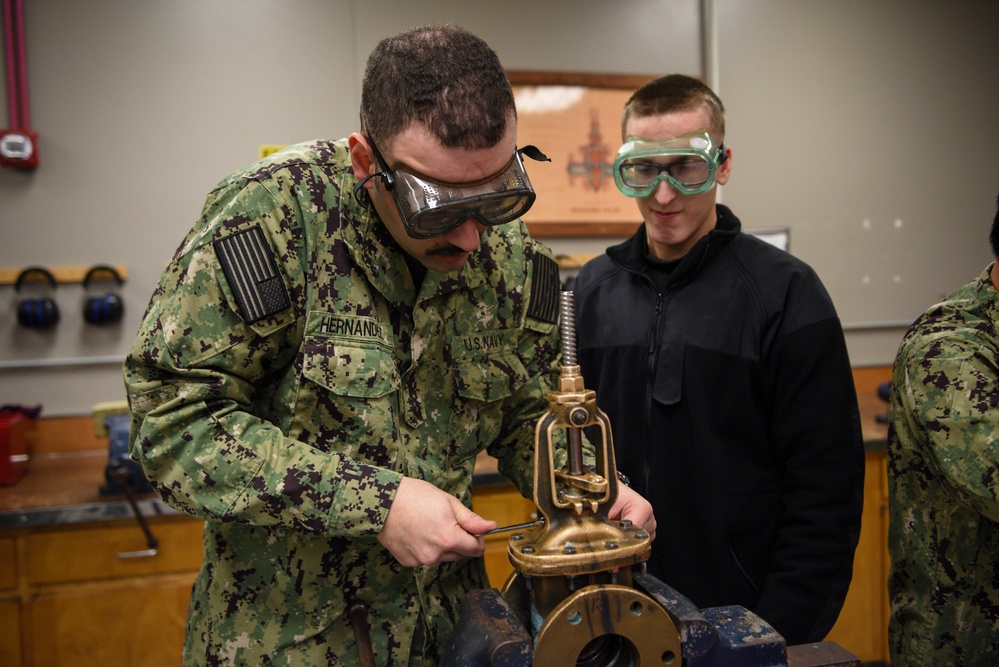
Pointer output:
x,y
545,289
252,274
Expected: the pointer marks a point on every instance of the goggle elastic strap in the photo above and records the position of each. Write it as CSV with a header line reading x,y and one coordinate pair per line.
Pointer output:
x,y
534,153
387,178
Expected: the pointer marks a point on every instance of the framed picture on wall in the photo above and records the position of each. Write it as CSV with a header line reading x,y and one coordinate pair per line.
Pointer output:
x,y
575,119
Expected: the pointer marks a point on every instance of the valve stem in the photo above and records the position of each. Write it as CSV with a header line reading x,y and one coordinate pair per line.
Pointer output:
x,y
570,370
567,313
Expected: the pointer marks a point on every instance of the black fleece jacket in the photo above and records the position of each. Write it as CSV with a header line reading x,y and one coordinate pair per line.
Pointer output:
x,y
733,410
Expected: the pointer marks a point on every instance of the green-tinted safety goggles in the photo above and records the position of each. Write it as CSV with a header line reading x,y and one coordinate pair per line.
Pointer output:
x,y
688,163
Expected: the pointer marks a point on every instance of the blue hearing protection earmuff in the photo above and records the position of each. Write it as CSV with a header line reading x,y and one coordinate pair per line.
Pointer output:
x,y
38,312
106,309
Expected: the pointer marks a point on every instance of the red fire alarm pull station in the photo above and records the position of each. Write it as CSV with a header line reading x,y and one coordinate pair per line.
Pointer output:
x,y
18,144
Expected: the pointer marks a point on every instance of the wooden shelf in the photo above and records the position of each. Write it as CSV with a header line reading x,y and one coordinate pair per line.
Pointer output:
x,y
62,274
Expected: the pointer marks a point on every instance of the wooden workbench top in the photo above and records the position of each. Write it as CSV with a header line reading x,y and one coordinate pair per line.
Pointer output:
x,y
57,479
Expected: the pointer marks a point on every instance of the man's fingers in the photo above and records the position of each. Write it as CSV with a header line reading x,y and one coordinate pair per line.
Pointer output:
x,y
470,522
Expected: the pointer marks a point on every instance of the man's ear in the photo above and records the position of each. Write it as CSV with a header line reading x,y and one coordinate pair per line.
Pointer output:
x,y
725,168
360,156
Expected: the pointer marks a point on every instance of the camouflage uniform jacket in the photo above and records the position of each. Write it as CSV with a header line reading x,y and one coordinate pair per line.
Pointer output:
x,y
289,434
943,481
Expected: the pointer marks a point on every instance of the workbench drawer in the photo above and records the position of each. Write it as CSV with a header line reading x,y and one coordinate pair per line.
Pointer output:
x,y
8,563
109,551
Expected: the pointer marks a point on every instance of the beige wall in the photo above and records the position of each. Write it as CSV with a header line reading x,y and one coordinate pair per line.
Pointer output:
x,y
866,128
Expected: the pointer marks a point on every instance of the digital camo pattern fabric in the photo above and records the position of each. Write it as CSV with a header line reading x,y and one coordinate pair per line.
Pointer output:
x,y
943,457
288,428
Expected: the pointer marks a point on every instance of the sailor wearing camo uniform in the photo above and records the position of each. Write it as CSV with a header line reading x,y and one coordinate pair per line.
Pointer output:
x,y
341,333
943,481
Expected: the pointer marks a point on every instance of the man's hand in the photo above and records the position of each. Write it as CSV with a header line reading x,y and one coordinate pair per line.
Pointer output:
x,y
638,510
426,526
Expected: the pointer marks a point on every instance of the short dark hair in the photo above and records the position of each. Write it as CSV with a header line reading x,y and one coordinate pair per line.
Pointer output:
x,y
994,234
672,93
442,76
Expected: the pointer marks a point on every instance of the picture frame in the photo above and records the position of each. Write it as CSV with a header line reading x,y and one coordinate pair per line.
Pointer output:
x,y
575,118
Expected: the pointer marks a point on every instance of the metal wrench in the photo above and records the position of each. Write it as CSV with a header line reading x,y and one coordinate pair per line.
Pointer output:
x,y
516,526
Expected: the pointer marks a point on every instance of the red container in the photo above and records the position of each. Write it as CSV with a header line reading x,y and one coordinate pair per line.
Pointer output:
x,y
13,447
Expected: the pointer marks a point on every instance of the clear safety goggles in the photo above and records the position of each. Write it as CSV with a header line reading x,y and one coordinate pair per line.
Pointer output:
x,y
430,208
688,163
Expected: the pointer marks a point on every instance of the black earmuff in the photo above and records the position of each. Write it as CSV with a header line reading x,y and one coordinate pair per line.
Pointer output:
x,y
38,312
106,309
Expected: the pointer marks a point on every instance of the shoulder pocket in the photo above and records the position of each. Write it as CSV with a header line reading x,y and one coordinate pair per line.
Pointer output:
x,y
252,278
488,367
668,387
491,377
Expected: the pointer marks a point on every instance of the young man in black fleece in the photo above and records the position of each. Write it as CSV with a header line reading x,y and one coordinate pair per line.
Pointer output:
x,y
722,365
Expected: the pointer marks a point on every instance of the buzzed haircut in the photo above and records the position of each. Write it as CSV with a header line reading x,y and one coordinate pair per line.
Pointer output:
x,y
442,76
673,93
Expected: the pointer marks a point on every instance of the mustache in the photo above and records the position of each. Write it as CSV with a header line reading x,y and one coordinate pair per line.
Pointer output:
x,y
444,250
